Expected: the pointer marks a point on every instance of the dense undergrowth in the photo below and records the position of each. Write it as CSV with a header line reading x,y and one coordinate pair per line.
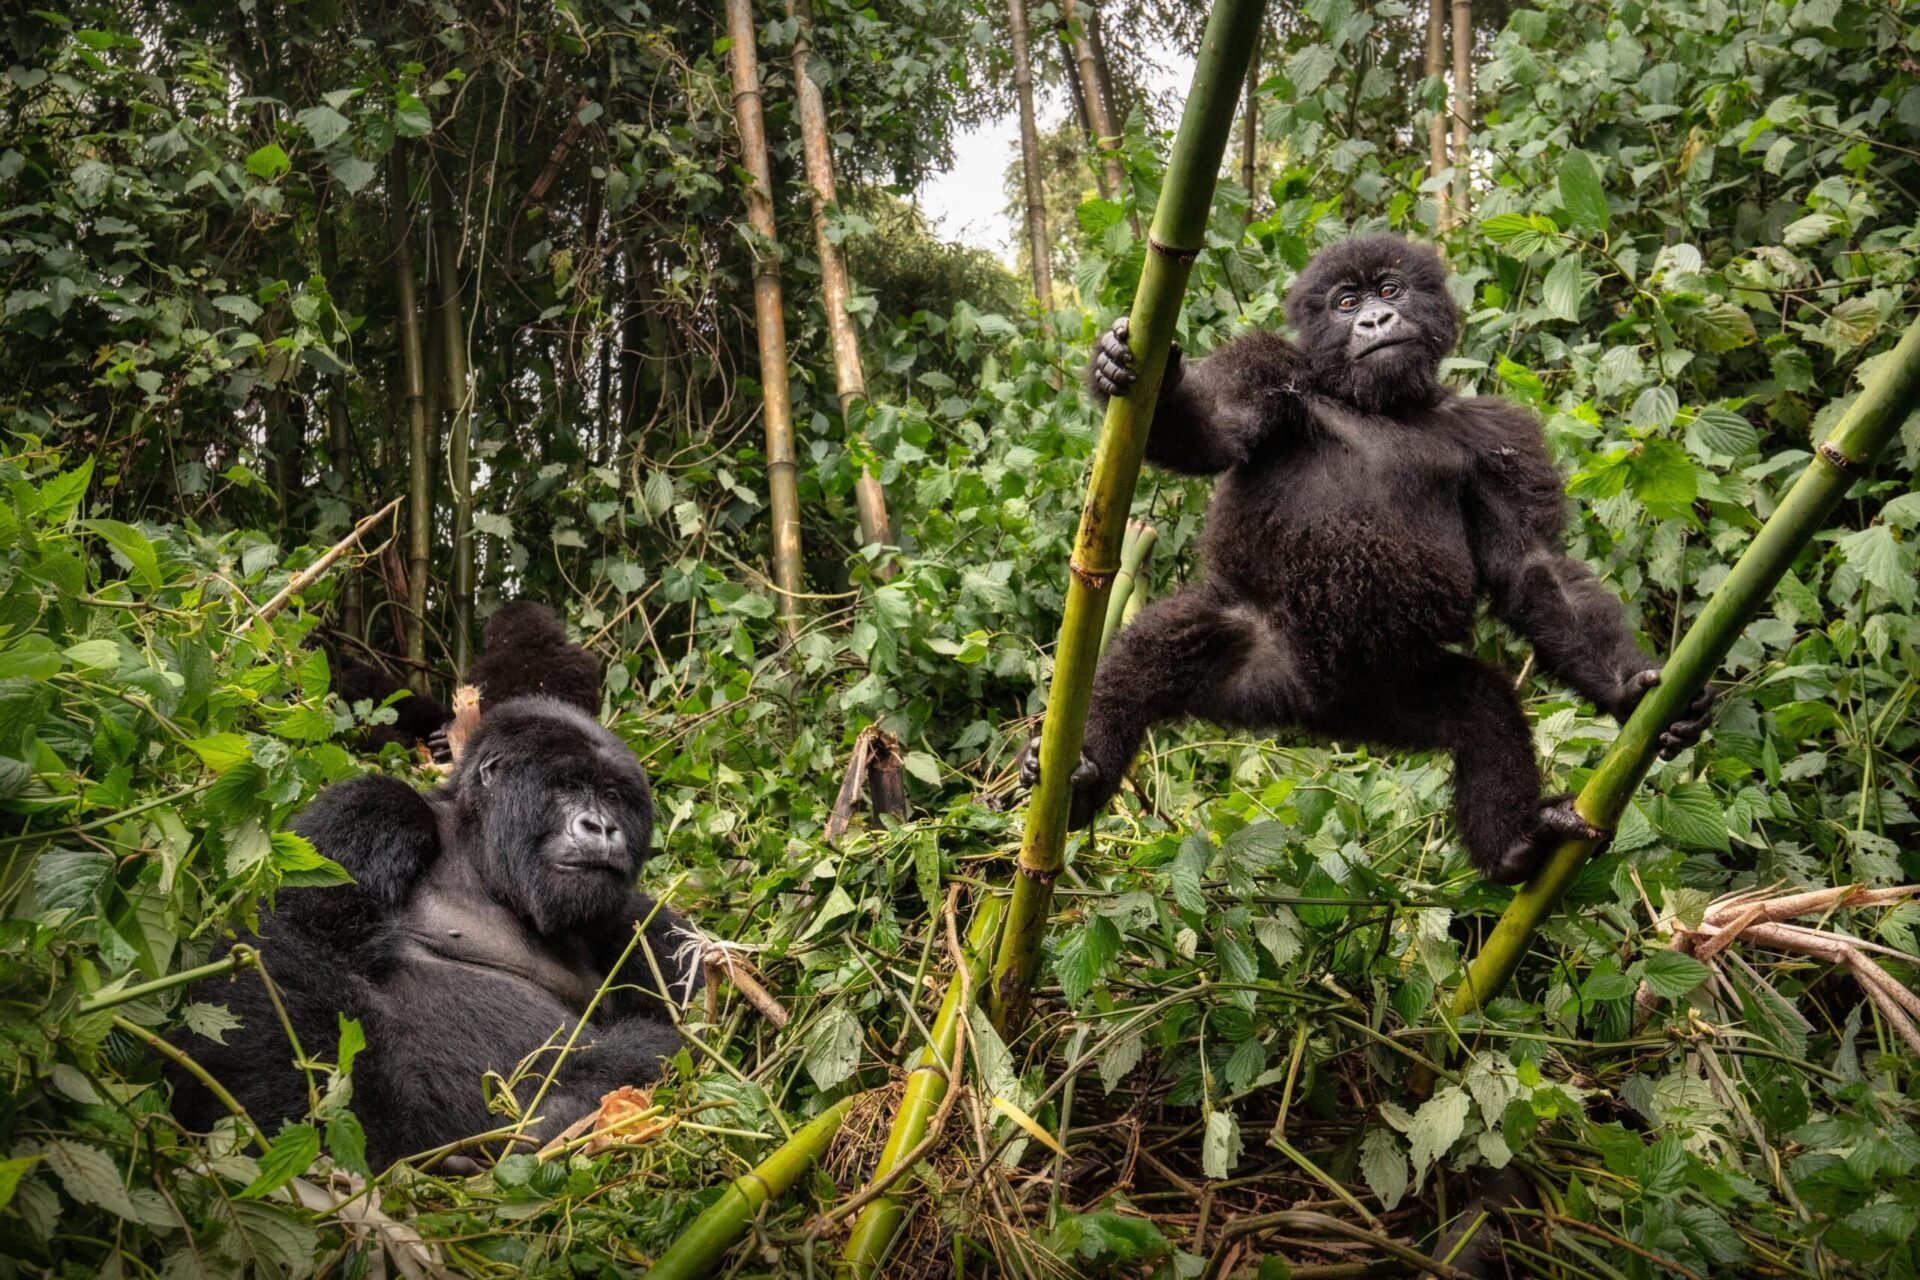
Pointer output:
x,y
1695,231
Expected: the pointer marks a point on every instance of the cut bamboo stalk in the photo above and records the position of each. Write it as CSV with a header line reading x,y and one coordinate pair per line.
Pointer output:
x,y
850,378
1179,231
1848,451
1030,165
308,576
701,1246
413,381
874,1229
783,489
1135,549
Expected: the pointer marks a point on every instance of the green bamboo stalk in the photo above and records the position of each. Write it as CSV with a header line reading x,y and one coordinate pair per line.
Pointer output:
x,y
1179,231
413,380
1135,548
1849,450
770,325
874,1229
459,395
700,1247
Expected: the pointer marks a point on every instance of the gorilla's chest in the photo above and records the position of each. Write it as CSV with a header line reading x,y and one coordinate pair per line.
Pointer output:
x,y
465,937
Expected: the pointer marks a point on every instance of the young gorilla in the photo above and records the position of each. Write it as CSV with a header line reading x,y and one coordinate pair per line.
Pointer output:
x,y
483,917
1363,511
417,718
525,650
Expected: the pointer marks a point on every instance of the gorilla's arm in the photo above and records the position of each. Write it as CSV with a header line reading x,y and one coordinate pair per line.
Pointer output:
x,y
384,833
673,944
1212,412
1516,512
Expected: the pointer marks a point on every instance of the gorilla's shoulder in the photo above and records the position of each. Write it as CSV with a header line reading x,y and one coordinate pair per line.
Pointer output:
x,y
381,830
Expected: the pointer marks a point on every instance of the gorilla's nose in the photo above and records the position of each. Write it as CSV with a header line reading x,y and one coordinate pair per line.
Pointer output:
x,y
1376,322
596,837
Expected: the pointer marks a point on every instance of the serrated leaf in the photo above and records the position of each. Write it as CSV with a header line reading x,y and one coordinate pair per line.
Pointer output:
x,y
1563,288
269,162
1436,1126
210,1020
347,1142
833,1047
10,1174
1220,1148
1671,974
922,766
1654,408
1581,193
323,124
1083,956
1280,935
295,1148
1504,228
1876,555
1196,851
1690,816
350,171
1721,434
1384,1167
1663,477
90,1176
1309,68
1118,1059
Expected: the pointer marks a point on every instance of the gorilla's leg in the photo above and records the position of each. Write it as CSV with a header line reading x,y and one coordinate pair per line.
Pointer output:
x,y
1470,709
1196,653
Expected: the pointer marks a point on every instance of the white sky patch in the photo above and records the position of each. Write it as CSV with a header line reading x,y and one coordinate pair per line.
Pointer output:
x,y
968,202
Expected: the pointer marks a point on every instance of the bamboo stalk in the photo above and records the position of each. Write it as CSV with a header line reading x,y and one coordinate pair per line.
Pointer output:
x,y
850,378
1030,164
413,378
699,1248
874,1229
1086,73
1250,135
1437,126
1179,228
459,396
1845,456
1462,105
783,489
1135,548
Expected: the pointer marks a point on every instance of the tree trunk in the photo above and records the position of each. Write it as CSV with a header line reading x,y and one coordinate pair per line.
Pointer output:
x,y
459,398
1250,135
413,381
1086,76
1179,230
850,379
1462,106
1843,458
1437,126
782,480
1103,72
1030,165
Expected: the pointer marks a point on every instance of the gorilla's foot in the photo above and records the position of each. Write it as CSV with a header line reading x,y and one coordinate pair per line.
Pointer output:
x,y
1556,822
1089,792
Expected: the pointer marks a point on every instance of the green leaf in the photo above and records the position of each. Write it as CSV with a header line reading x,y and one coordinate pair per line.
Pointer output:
x,y
1564,287
323,124
833,1047
1220,1148
352,1041
132,544
245,310
1671,974
347,1143
269,162
1664,477
1654,408
294,1150
1084,955
1721,435
1504,228
350,171
10,1172
1384,1166
1436,1126
1581,192
1309,68
922,766
1876,555
1690,816
100,655
1196,851
220,752
90,1176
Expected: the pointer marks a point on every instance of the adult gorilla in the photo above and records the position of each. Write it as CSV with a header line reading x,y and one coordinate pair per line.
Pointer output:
x,y
483,918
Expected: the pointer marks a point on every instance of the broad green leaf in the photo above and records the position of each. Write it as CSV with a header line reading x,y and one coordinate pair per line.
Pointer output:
x,y
1384,1166
347,1142
1664,477
1876,555
100,655
833,1047
1196,851
222,751
269,162
1564,287
1436,1126
1581,192
1220,1148
131,544
1083,956
1690,816
1671,974
323,124
10,1173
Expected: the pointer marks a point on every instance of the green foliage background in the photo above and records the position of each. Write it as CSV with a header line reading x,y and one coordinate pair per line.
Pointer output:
x,y
1694,231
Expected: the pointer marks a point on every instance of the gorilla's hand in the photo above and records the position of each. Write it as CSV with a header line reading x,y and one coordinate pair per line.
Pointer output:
x,y
439,746
1111,372
1090,791
1558,821
1680,734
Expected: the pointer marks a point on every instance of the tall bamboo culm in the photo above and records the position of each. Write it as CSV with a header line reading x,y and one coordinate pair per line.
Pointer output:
x,y
413,381
850,378
1437,126
1030,163
459,396
1100,123
1179,229
1462,107
783,488
1845,455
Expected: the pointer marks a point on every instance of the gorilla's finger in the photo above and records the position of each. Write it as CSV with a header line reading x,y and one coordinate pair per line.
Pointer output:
x,y
1641,681
1562,819
1121,327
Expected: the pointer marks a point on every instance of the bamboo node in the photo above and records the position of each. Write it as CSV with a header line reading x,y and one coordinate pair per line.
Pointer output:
x,y
1167,250
1092,577
1046,875
1840,461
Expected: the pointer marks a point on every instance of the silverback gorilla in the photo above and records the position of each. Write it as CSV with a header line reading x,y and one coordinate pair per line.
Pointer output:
x,y
1363,510
483,918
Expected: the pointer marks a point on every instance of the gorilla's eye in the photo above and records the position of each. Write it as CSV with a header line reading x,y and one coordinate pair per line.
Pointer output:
x,y
1348,301
1391,289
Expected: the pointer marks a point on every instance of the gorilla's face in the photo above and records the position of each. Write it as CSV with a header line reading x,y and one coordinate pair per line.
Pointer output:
x,y
561,809
1375,315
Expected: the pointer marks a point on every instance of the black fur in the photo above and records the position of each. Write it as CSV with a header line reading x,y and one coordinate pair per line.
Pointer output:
x,y
417,717
1363,510
483,917
525,651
